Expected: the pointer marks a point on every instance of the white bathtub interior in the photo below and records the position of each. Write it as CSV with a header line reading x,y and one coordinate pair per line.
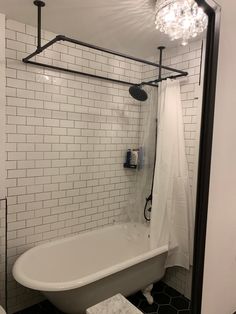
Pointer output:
x,y
79,260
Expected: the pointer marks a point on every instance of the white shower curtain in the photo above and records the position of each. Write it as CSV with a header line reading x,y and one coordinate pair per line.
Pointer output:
x,y
171,206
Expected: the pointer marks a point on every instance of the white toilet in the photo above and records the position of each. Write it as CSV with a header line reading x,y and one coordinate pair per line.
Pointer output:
x,y
2,310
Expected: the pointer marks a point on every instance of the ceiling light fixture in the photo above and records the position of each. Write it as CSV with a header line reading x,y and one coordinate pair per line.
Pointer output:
x,y
180,19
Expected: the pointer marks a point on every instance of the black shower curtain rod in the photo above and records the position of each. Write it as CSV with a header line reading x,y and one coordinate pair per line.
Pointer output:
x,y
59,38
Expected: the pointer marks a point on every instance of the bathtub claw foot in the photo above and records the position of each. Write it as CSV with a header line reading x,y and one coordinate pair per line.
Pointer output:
x,y
147,293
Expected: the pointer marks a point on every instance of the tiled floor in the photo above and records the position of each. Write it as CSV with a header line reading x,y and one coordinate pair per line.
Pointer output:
x,y
166,301
41,308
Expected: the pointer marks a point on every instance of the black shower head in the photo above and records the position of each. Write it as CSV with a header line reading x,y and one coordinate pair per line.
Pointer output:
x,y
138,93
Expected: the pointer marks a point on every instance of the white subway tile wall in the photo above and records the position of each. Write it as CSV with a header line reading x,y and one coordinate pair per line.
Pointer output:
x,y
188,59
66,140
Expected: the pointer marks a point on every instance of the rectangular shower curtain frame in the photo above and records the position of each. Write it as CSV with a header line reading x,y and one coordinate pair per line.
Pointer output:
x,y
60,38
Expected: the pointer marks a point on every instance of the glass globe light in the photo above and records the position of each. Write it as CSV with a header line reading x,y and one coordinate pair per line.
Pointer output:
x,y
180,19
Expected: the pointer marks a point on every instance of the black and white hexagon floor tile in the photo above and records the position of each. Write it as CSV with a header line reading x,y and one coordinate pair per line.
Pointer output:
x,y
166,301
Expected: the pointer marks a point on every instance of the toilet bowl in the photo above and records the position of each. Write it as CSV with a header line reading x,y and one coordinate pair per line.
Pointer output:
x,y
2,310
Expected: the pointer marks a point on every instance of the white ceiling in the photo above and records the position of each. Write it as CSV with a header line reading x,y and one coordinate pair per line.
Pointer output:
x,y
122,25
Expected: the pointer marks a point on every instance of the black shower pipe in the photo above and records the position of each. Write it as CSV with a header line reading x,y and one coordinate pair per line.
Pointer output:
x,y
40,5
59,38
161,48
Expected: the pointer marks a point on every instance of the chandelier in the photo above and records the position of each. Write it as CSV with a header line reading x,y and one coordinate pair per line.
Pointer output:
x,y
180,19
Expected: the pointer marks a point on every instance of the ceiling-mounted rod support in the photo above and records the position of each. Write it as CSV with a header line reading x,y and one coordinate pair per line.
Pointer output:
x,y
160,78
160,48
59,38
40,4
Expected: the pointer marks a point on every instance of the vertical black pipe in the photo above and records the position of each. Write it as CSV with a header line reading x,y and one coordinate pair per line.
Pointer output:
x,y
205,150
161,48
39,4
39,27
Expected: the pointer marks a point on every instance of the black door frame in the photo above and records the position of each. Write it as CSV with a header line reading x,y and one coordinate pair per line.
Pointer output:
x,y
205,150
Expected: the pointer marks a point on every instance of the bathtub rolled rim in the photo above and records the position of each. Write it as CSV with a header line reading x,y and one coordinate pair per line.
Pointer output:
x,y
24,280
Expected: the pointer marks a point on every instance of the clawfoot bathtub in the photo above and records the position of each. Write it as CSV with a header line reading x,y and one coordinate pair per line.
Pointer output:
x,y
77,272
